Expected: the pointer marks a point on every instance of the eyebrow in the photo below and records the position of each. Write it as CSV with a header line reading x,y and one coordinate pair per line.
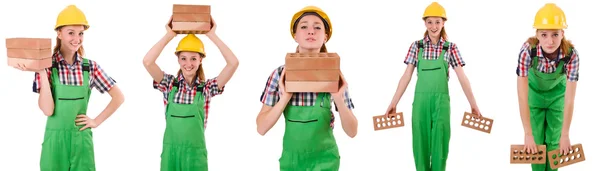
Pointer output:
x,y
316,22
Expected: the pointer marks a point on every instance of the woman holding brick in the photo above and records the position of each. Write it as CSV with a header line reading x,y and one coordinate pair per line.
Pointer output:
x,y
64,91
548,71
187,98
308,143
432,56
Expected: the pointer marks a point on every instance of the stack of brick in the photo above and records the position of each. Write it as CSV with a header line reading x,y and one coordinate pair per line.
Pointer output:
x,y
191,19
316,72
33,53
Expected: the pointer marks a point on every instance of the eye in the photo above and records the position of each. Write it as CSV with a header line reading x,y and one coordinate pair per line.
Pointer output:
x,y
429,22
437,22
544,35
303,27
318,27
194,59
81,34
71,33
183,58
555,35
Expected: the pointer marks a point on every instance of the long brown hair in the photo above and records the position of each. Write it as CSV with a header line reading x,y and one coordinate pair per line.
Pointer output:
x,y
323,49
565,45
80,51
442,33
199,73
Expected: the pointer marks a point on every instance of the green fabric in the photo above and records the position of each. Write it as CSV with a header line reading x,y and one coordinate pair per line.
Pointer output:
x,y
65,148
308,142
184,147
546,103
431,114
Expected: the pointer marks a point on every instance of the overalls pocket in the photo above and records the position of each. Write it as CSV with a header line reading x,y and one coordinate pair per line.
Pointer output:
x,y
183,116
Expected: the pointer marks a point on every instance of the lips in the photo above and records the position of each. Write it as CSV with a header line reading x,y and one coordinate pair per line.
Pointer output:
x,y
311,39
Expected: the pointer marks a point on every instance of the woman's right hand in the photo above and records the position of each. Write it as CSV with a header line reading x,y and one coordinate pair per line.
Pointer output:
x,y
169,27
22,67
284,94
390,110
530,146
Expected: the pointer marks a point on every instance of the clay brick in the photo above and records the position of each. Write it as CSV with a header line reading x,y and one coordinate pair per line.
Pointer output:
x,y
312,75
558,160
182,17
311,86
30,64
28,43
519,156
483,124
195,9
29,53
314,61
381,122
190,27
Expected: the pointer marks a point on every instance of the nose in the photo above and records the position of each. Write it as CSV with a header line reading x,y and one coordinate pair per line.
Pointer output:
x,y
311,31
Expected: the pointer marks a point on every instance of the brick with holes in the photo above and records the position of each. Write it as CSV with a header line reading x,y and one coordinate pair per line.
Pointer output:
x,y
394,120
312,72
33,53
482,124
519,156
558,160
191,19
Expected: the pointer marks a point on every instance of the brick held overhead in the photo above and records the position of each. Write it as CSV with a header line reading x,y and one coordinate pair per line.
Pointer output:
x,y
191,19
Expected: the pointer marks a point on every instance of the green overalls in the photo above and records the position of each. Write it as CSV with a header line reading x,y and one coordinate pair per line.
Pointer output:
x,y
184,148
431,113
65,148
546,104
308,142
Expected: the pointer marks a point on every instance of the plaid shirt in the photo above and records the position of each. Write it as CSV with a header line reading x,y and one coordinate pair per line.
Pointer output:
x,y
73,74
432,52
186,93
547,65
270,95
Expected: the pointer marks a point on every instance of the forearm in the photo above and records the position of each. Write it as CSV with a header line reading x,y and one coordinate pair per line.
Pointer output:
x,y
229,56
45,99
349,121
466,86
523,94
113,105
267,119
569,106
402,85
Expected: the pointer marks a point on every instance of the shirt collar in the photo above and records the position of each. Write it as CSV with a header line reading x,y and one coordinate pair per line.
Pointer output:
x,y
540,52
428,40
61,59
180,78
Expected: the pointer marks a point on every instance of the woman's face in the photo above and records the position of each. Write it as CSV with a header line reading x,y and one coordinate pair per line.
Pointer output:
x,y
434,25
310,32
71,37
189,62
550,39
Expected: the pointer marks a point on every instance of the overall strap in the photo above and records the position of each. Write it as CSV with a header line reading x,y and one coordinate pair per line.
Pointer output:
x,y
561,62
321,98
444,50
85,67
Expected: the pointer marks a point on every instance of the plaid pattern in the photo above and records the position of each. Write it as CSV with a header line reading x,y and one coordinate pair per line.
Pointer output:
x,y
73,74
186,93
432,52
270,95
547,65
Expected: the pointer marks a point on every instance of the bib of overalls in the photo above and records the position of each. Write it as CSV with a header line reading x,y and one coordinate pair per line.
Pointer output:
x,y
185,122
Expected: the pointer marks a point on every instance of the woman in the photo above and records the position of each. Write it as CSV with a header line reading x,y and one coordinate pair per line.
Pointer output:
x,y
64,91
187,98
432,56
548,71
307,146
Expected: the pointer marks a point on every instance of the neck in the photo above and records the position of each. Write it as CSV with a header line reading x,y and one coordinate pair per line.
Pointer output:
x,y
303,50
68,55
188,79
552,55
434,39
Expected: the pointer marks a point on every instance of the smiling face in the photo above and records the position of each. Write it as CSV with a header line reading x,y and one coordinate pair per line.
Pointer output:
x,y
550,40
434,26
71,37
310,33
189,63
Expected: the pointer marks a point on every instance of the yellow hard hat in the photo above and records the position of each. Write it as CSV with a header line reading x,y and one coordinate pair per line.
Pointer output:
x,y
550,17
314,9
190,43
71,15
434,10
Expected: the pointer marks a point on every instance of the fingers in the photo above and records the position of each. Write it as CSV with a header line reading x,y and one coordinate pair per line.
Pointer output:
x,y
85,127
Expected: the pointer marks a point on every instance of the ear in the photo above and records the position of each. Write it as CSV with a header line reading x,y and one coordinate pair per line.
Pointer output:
x,y
326,37
58,34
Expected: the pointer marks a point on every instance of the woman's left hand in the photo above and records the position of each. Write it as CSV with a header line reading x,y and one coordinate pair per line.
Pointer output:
x,y
343,87
212,28
85,120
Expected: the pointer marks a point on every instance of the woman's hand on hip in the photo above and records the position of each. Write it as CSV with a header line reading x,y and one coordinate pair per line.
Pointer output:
x,y
85,120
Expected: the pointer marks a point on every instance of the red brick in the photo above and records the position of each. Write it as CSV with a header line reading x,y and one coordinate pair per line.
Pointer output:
x,y
312,75
29,53
30,64
28,43
312,86
195,9
315,61
191,27
191,17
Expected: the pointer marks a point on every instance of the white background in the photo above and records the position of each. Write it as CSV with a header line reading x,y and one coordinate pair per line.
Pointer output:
x,y
371,37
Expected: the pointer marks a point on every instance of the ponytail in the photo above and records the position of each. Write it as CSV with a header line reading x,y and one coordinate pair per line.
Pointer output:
x,y
442,33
